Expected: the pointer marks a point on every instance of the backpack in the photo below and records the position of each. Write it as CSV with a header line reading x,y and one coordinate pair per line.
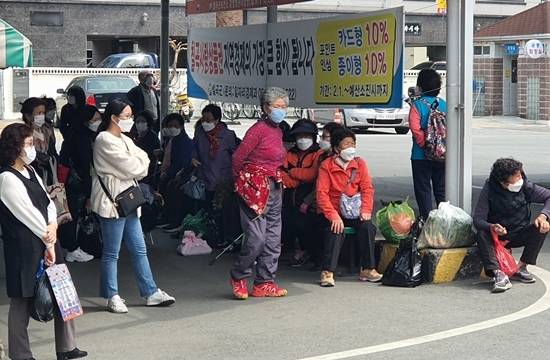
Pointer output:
x,y
436,133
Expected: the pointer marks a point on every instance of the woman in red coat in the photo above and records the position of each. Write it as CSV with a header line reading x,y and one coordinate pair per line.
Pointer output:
x,y
346,174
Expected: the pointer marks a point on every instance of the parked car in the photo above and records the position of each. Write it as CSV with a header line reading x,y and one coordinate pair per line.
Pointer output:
x,y
99,89
131,60
363,119
436,65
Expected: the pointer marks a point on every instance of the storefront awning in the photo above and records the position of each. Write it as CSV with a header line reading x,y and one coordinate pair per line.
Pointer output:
x,y
15,48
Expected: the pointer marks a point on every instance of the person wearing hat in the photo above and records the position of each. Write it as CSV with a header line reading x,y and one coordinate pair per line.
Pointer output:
x,y
300,169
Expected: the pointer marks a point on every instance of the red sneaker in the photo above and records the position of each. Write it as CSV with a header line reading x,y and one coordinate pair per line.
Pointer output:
x,y
240,289
268,289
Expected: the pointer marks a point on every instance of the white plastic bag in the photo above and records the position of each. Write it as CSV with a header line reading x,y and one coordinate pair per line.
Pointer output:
x,y
192,244
447,227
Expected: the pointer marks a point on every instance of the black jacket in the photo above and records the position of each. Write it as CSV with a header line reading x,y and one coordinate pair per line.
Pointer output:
x,y
137,102
77,154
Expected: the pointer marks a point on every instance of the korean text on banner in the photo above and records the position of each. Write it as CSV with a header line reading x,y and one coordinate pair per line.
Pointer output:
x,y
352,60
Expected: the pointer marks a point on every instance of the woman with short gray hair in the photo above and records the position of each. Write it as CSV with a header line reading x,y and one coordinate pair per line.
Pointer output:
x,y
256,168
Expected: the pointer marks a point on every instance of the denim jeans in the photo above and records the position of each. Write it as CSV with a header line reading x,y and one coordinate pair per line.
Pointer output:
x,y
129,229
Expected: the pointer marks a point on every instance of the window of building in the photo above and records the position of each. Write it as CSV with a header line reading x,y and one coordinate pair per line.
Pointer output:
x,y
46,18
482,50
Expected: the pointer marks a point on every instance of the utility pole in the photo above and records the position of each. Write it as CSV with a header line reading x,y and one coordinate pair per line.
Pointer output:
x,y
458,167
164,55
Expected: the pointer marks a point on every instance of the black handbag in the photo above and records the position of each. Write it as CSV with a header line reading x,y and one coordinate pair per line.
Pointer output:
x,y
127,201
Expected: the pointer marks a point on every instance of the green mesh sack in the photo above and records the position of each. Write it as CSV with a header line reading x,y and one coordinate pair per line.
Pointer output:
x,y
395,221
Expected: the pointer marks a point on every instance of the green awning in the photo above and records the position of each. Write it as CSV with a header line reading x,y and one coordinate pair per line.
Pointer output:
x,y
15,49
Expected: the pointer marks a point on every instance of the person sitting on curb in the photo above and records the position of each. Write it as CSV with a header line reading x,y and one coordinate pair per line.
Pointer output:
x,y
300,169
504,207
344,173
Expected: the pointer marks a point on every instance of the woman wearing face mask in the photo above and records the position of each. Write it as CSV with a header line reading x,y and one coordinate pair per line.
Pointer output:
x,y
147,140
504,207
300,169
33,111
177,157
73,114
51,109
29,224
214,146
76,154
118,162
346,174
324,144
256,168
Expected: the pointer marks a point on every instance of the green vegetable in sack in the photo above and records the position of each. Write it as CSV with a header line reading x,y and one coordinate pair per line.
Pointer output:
x,y
196,223
395,221
447,227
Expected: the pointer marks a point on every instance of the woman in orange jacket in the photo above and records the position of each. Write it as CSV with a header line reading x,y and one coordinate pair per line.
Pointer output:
x,y
300,169
345,196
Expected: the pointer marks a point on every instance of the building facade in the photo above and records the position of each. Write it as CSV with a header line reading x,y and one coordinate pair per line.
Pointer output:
x,y
512,66
79,33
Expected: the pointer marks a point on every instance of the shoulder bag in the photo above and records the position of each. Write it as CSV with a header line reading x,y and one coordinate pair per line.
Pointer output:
x,y
350,206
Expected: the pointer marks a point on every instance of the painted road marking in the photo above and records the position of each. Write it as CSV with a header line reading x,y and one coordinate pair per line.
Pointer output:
x,y
539,306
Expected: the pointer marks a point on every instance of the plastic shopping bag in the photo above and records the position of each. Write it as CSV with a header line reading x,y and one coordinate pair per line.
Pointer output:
x,y
405,270
447,227
192,244
64,292
505,259
395,221
42,308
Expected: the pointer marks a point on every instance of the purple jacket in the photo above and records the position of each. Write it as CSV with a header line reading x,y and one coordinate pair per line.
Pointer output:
x,y
214,171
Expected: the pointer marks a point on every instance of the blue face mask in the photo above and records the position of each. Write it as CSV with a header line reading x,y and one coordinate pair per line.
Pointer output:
x,y
277,115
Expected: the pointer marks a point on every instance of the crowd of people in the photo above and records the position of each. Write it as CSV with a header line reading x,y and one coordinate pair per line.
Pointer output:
x,y
279,186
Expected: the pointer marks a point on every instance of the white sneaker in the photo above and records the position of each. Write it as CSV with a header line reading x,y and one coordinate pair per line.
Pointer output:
x,y
117,305
78,255
160,298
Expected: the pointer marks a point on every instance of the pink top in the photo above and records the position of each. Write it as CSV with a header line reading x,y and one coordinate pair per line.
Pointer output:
x,y
262,145
416,129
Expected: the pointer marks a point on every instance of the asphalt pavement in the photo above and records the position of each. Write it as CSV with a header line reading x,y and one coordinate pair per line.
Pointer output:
x,y
206,323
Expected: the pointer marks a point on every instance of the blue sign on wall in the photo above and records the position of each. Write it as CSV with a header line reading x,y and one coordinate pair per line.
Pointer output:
x,y
511,49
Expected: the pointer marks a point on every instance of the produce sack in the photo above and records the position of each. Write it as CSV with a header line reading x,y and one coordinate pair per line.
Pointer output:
x,y
405,270
447,227
395,220
200,223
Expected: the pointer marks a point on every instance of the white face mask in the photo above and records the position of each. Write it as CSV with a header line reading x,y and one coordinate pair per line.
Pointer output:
x,y
71,100
141,127
126,124
39,120
208,126
348,154
28,155
171,132
304,143
516,187
324,145
94,126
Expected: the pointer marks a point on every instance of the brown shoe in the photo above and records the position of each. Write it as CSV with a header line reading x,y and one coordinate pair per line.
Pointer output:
x,y
370,275
327,279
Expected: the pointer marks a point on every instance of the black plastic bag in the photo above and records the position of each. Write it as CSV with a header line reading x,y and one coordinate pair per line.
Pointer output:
x,y
405,270
89,235
44,303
